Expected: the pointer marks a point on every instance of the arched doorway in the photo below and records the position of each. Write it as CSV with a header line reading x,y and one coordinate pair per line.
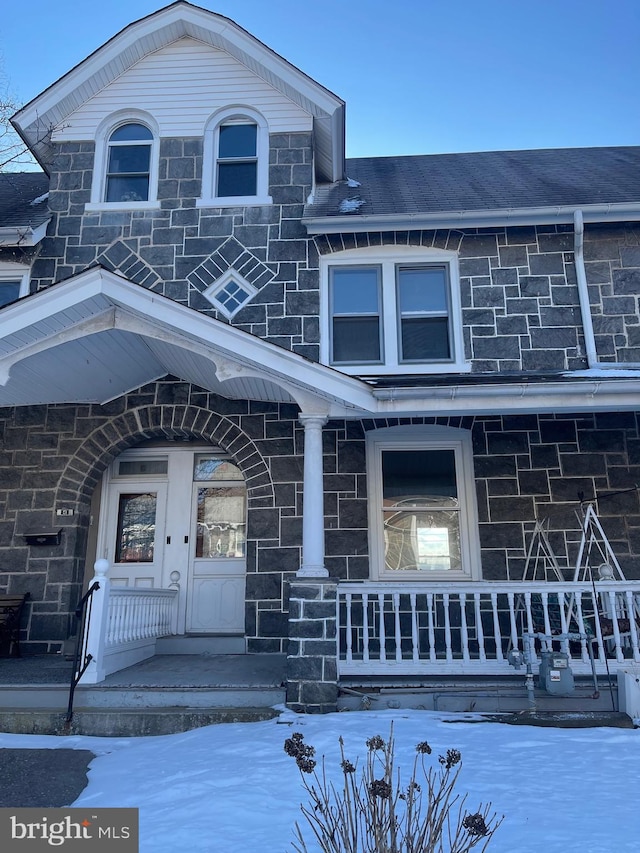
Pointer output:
x,y
175,515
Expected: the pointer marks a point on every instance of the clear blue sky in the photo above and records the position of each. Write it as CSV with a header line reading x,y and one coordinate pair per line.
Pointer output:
x,y
418,76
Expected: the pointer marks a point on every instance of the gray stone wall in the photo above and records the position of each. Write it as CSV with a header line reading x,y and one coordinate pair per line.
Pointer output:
x,y
178,249
526,466
518,285
312,675
519,295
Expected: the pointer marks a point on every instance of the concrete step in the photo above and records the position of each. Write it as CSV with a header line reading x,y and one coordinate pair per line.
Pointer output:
x,y
201,645
51,697
126,722
507,696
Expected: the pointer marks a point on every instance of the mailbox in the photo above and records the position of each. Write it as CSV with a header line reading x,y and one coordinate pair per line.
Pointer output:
x,y
43,537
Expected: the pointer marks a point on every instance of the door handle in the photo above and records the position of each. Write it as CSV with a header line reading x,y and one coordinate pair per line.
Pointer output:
x,y
168,540
186,540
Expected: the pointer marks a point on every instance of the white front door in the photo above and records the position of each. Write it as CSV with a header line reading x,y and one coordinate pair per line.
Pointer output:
x,y
176,517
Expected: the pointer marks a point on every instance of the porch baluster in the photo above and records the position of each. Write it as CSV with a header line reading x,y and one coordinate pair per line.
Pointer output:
x,y
415,646
348,636
544,596
447,628
527,604
464,630
512,620
631,613
479,629
616,628
382,636
576,604
365,627
432,633
497,635
398,635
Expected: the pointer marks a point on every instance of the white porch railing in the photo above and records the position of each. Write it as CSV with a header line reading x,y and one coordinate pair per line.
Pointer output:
x,y
123,625
469,629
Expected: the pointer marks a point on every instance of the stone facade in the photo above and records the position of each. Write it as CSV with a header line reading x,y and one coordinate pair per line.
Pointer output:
x,y
178,248
518,285
526,466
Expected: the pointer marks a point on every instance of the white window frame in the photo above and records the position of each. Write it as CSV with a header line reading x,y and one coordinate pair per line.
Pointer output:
x,y
237,113
389,259
424,438
101,157
211,293
11,271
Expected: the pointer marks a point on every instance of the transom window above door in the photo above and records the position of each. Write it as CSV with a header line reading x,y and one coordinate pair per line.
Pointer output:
x,y
392,310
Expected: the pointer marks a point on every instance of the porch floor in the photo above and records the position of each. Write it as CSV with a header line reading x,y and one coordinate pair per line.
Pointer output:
x,y
229,671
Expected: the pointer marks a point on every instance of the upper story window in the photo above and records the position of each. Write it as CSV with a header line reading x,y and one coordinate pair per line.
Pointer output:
x,y
237,163
392,310
236,159
14,282
129,163
126,163
423,518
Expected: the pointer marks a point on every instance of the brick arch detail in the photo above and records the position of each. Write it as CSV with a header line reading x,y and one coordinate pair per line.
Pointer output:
x,y
97,451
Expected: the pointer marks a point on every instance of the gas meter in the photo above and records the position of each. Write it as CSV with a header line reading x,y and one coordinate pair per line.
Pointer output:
x,y
555,675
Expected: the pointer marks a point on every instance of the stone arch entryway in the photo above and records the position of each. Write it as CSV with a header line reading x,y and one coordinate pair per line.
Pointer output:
x,y
184,427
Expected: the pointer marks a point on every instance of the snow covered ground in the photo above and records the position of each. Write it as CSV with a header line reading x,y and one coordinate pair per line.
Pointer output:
x,y
231,788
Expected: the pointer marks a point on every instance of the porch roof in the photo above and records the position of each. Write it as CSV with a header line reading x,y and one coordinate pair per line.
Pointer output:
x,y
96,336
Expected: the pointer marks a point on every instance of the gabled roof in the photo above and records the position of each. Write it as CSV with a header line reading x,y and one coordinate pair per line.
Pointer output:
x,y
24,212
184,20
96,336
483,188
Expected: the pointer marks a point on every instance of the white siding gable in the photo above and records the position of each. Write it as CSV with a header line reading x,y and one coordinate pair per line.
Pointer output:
x,y
182,85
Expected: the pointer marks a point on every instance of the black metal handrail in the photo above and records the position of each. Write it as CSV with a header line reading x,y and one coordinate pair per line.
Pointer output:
x,y
81,657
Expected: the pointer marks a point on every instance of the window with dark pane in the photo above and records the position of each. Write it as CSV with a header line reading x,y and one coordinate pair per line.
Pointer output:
x,y
421,510
356,326
423,313
129,163
136,531
9,291
237,165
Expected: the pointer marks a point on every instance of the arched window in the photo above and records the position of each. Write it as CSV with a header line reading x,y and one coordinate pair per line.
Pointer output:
x,y
128,163
236,159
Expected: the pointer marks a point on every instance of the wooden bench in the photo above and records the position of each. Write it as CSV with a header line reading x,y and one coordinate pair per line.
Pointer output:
x,y
11,607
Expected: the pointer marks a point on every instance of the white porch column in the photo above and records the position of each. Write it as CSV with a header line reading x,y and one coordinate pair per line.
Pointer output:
x,y
313,499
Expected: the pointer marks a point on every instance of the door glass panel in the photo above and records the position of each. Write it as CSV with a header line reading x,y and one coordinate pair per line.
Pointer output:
x,y
136,531
220,521
215,468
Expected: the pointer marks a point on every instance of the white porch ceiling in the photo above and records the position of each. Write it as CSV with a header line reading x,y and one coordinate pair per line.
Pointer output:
x,y
97,336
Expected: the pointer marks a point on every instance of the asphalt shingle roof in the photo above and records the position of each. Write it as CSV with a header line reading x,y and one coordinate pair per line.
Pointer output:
x,y
486,180
18,192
